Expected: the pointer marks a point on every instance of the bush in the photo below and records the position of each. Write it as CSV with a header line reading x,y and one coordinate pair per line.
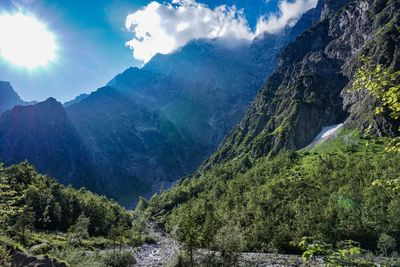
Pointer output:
x,y
5,257
119,259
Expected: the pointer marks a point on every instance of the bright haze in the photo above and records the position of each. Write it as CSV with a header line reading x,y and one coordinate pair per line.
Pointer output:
x,y
65,48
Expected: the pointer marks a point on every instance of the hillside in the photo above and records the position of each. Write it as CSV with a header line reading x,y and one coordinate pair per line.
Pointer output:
x,y
266,190
40,217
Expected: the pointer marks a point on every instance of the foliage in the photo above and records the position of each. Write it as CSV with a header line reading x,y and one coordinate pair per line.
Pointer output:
x,y
229,241
386,243
4,255
384,84
48,218
120,259
55,207
332,192
347,253
80,230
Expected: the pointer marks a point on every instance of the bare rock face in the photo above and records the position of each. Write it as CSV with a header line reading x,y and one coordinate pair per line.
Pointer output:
x,y
8,97
309,88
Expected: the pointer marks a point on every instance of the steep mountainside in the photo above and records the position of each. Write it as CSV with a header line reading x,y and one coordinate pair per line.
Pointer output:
x,y
153,125
8,97
308,90
252,195
43,134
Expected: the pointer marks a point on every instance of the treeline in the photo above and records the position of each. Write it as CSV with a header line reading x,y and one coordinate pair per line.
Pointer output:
x,y
32,200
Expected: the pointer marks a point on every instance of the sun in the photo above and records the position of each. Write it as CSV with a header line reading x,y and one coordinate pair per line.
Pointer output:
x,y
25,41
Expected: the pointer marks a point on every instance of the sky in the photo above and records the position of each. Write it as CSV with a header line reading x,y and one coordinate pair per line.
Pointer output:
x,y
97,39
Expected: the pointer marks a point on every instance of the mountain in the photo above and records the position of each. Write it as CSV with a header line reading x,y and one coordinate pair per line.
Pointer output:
x,y
76,100
43,134
8,97
266,190
152,125
308,89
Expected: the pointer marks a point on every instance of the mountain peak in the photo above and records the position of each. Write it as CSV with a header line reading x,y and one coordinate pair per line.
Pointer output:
x,y
8,97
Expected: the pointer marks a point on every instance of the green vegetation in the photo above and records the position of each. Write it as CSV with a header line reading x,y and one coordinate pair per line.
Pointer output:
x,y
382,83
340,200
41,217
340,190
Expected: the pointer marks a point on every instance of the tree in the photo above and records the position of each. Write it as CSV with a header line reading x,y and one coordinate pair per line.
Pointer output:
x,y
187,230
80,230
230,241
24,221
9,200
386,243
384,84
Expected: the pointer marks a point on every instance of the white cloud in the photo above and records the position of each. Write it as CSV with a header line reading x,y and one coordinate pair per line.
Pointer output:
x,y
162,28
289,13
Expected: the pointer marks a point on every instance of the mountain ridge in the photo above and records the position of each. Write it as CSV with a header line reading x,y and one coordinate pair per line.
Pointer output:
x,y
311,81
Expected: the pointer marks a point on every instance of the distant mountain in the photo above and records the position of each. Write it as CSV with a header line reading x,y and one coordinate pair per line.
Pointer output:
x,y
76,100
151,126
8,97
43,135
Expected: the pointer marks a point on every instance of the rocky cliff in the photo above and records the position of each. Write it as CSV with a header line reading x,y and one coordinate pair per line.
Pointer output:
x,y
309,88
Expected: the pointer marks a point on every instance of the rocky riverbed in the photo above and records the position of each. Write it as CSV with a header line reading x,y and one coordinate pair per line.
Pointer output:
x,y
165,250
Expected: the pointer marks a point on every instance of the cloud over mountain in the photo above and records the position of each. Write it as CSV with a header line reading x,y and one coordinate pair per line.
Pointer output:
x,y
162,28
289,13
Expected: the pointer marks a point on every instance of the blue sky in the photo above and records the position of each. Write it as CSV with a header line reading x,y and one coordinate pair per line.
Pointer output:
x,y
90,38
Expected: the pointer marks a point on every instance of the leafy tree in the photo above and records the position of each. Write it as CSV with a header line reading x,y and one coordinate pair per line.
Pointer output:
x,y
386,243
187,231
5,257
229,241
384,84
80,230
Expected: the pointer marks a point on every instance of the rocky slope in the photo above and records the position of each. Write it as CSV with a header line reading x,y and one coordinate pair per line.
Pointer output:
x,y
43,135
309,88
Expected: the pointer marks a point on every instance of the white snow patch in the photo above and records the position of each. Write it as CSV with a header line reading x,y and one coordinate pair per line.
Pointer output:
x,y
327,132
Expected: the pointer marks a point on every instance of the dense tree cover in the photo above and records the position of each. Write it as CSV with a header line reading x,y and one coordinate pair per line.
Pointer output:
x,y
39,214
52,206
336,191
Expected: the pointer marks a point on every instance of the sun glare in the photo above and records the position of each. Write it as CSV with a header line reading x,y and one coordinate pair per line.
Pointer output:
x,y
25,41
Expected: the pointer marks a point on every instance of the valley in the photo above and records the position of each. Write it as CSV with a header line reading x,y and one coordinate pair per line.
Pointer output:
x,y
280,151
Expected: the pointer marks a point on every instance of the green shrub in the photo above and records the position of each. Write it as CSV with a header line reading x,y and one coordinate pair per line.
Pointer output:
x,y
119,259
